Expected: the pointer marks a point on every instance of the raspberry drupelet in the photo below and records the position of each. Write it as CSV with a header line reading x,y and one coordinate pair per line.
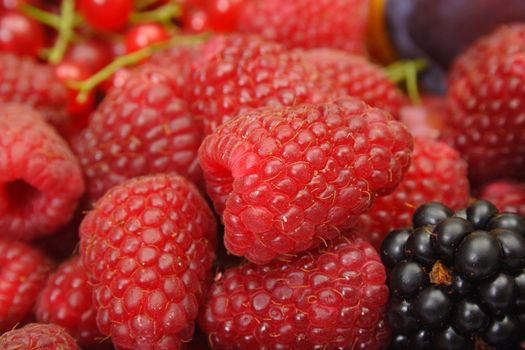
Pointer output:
x,y
339,24
436,173
40,178
143,127
506,196
26,81
358,77
23,275
235,73
66,301
284,180
37,336
333,297
148,247
488,124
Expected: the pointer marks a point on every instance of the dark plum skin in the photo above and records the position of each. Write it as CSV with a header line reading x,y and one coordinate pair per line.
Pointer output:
x,y
443,29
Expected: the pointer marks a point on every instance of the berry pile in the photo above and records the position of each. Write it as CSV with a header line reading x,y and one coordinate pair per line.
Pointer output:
x,y
457,279
258,174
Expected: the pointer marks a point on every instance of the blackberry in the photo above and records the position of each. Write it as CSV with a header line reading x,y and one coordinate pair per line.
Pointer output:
x,y
457,280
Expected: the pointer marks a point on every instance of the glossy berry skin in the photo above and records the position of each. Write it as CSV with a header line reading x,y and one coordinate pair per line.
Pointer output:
x,y
359,78
436,172
144,35
148,247
24,273
142,127
223,14
37,336
179,60
67,71
332,297
462,284
91,54
506,196
236,73
195,20
66,301
23,80
339,24
20,34
40,177
487,126
286,179
106,15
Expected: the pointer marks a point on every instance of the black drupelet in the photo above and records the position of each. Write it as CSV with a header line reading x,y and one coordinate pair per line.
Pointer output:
x,y
457,280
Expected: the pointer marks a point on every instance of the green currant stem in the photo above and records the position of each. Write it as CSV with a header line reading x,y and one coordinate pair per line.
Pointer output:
x,y
162,14
47,18
406,71
65,31
86,86
142,4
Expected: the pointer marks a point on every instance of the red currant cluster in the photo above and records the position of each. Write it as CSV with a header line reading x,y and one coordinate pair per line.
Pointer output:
x,y
80,38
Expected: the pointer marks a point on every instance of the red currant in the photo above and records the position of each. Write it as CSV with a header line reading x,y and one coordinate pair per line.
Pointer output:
x,y
222,14
144,35
106,15
20,34
195,20
91,54
13,4
72,71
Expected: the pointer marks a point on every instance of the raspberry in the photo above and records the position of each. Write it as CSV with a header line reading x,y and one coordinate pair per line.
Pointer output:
x,y
506,196
148,249
457,281
337,24
66,301
237,72
504,41
488,126
437,173
23,274
141,128
359,77
179,60
286,179
40,179
38,337
23,80
330,298
426,119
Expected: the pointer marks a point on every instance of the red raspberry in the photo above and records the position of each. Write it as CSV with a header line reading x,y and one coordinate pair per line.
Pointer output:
x,y
23,274
286,179
179,60
359,77
141,128
426,119
339,24
488,127
437,173
504,41
40,178
66,301
330,298
36,336
25,81
148,247
506,196
237,72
